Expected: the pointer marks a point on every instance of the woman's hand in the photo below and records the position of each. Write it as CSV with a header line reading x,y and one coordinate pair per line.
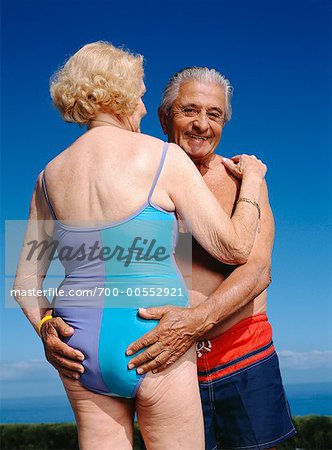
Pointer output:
x,y
176,332
63,357
244,165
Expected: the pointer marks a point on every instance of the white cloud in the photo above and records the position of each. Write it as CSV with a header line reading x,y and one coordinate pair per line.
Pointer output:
x,y
314,359
39,370
33,370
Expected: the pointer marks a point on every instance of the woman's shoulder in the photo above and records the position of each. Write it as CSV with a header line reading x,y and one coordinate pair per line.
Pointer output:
x,y
140,147
56,162
113,137
142,140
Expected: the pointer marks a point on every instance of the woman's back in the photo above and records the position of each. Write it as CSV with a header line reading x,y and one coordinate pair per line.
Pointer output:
x,y
112,267
105,176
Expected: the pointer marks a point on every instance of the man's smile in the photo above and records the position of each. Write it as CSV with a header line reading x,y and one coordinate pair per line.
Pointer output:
x,y
197,136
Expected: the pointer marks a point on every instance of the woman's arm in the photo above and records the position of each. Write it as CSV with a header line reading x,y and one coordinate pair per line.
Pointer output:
x,y
229,240
31,272
33,265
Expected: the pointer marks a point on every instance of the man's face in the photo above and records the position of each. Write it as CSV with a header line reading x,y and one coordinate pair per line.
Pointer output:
x,y
196,119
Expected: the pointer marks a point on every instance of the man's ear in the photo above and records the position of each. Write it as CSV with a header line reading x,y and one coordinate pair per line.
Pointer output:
x,y
163,119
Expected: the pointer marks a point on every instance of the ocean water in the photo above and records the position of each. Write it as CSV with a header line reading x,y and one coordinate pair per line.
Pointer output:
x,y
36,410
304,399
311,398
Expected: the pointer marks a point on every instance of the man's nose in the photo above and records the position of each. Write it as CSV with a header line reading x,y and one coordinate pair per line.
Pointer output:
x,y
201,122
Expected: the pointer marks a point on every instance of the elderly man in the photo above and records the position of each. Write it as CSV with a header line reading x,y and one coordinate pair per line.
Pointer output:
x,y
241,389
243,399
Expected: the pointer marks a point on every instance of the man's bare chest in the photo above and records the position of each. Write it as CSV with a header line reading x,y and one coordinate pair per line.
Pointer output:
x,y
224,187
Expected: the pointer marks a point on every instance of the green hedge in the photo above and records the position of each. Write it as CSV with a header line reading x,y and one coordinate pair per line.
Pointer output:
x,y
314,433
38,436
48,436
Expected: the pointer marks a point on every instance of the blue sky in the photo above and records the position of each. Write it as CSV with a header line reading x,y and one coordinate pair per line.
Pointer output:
x,y
277,55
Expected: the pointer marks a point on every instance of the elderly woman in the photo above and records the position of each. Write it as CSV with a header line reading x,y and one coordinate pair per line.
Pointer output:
x,y
108,201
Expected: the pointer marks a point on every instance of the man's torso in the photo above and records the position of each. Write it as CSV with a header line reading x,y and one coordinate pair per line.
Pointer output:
x,y
207,272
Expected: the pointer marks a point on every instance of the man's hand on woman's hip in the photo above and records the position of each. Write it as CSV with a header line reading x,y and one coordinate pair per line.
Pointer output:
x,y
176,332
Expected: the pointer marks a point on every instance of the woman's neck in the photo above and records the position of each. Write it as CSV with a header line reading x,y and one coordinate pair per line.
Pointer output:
x,y
105,119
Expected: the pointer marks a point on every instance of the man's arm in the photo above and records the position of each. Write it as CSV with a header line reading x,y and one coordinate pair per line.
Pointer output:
x,y
179,328
246,282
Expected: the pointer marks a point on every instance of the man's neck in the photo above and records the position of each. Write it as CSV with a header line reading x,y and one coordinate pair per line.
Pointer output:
x,y
205,164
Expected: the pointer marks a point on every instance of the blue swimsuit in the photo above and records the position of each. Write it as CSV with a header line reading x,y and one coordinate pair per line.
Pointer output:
x,y
132,265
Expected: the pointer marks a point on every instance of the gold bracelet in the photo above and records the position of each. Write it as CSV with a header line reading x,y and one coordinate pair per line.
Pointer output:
x,y
247,200
44,319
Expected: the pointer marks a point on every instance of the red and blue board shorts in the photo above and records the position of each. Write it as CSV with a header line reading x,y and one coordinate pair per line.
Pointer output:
x,y
244,402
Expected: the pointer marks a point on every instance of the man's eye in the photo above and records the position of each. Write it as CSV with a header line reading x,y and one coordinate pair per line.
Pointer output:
x,y
215,115
189,110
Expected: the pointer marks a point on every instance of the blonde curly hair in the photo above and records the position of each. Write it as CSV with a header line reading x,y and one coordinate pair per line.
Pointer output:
x,y
97,78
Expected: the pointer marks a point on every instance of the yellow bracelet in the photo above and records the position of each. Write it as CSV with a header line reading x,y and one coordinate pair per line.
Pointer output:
x,y
44,319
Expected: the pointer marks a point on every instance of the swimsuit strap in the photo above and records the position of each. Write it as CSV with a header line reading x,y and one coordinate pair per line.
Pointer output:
x,y
47,197
161,164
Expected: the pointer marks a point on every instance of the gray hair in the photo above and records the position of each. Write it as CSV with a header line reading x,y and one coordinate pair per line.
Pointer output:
x,y
201,74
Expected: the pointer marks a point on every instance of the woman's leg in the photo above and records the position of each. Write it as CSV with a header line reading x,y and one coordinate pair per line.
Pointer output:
x,y
103,422
169,407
